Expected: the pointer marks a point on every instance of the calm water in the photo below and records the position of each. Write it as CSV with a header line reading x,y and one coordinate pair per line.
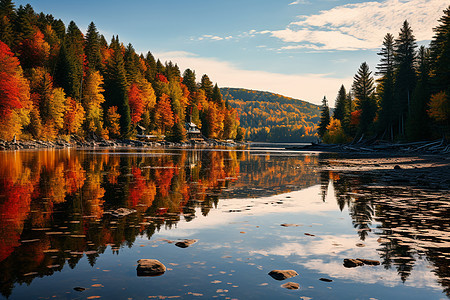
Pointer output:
x,y
57,232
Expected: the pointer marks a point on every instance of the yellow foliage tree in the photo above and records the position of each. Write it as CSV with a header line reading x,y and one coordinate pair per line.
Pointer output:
x,y
92,100
335,133
439,107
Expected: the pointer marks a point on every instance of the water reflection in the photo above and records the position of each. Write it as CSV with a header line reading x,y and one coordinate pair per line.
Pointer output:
x,y
55,205
412,225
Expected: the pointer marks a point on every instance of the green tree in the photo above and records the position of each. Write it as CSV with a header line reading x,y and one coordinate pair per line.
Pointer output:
x,y
216,97
150,73
7,17
131,60
385,87
405,74
92,48
116,87
189,80
418,120
340,110
440,54
207,86
363,90
324,117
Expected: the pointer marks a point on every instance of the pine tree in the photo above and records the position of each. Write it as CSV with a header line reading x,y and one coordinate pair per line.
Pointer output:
x,y
24,23
324,118
116,88
386,85
340,110
440,54
207,86
151,67
189,81
7,17
363,88
160,69
405,74
418,121
216,97
131,64
92,48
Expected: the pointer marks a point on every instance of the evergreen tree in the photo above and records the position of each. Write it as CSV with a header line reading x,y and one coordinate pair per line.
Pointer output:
x,y
440,54
324,118
189,80
69,66
151,67
386,85
160,69
7,17
24,23
92,48
116,87
216,97
340,110
405,74
207,86
131,64
418,121
363,89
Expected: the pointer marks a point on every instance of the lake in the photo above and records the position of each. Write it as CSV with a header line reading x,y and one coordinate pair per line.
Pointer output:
x,y
250,211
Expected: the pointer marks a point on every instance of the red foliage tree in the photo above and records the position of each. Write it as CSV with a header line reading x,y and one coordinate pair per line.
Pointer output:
x,y
10,91
136,102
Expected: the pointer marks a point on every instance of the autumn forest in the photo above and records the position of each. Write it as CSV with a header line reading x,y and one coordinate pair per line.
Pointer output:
x,y
56,81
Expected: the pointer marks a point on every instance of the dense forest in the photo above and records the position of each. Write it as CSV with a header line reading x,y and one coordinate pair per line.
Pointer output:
x,y
269,117
56,82
409,101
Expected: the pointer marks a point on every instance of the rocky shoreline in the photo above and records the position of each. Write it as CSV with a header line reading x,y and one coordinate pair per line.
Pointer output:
x,y
102,143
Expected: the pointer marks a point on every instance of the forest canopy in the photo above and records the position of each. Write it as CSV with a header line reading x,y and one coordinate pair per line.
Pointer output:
x,y
56,81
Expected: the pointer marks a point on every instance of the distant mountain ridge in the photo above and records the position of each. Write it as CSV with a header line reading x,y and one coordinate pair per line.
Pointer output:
x,y
270,117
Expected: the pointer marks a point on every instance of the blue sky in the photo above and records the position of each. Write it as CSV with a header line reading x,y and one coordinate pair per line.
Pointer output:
x,y
303,49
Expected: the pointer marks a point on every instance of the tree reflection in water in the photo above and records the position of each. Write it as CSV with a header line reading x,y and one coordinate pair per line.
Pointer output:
x,y
412,223
54,204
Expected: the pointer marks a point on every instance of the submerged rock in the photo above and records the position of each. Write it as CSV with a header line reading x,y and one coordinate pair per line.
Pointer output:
x,y
369,262
291,286
122,212
150,267
282,274
351,263
185,243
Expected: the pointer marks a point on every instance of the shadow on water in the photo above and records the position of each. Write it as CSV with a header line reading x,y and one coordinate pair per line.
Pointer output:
x,y
412,222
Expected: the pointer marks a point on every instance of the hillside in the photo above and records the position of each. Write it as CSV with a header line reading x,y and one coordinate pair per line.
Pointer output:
x,y
269,117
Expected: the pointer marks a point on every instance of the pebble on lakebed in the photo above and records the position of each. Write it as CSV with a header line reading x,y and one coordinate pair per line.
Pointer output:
x,y
150,267
282,274
185,243
291,286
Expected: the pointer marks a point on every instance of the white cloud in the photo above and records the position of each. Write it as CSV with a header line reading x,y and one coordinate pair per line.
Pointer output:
x,y
309,87
299,2
361,25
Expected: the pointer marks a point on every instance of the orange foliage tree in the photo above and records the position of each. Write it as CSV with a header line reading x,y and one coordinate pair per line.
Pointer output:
x,y
163,113
136,102
14,94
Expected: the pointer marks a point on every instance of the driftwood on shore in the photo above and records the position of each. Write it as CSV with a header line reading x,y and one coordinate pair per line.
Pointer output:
x,y
439,147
